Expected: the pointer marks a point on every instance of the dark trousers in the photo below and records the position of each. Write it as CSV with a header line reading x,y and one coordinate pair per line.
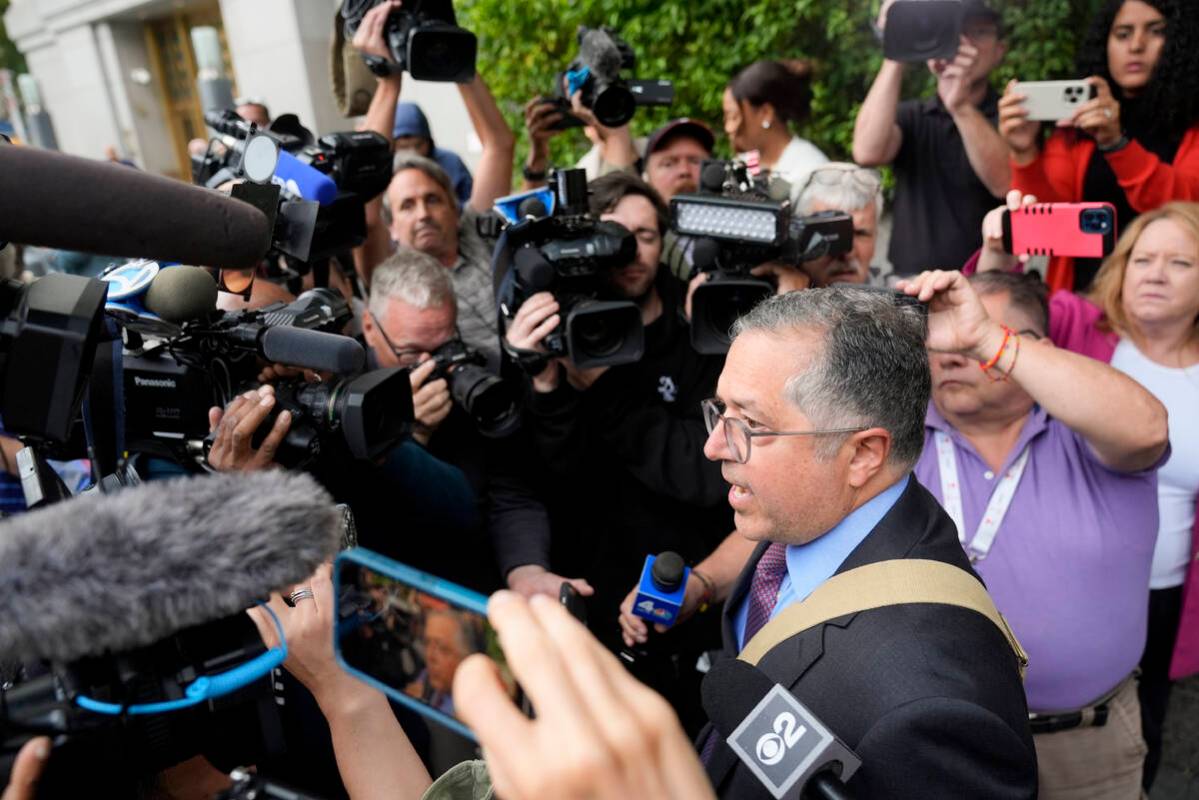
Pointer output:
x,y
1165,610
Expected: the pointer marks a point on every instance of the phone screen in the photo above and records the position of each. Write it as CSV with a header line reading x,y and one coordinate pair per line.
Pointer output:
x,y
405,632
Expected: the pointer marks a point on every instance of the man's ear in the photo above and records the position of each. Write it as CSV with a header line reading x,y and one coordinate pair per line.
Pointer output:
x,y
871,448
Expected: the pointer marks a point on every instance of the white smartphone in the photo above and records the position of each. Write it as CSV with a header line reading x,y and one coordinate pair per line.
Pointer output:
x,y
1051,101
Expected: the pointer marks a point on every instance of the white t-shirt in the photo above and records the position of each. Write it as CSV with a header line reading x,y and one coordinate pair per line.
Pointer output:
x,y
1178,479
798,160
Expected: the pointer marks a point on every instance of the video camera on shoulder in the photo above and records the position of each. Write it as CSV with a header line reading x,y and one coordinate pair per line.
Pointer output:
x,y
597,72
423,37
570,253
742,221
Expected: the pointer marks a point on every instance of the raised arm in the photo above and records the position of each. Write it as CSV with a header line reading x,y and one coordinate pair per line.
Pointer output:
x,y
877,136
493,175
985,148
1122,422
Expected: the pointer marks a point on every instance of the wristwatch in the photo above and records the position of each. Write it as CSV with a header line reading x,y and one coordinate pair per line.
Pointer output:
x,y
1119,144
381,66
532,174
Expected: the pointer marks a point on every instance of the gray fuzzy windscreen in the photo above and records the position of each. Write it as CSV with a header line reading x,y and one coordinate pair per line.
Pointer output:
x,y
111,572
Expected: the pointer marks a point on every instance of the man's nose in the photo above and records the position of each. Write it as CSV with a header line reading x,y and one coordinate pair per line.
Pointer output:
x,y
716,447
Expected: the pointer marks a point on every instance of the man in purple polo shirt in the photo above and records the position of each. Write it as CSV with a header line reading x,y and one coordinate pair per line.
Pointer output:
x,y
1046,460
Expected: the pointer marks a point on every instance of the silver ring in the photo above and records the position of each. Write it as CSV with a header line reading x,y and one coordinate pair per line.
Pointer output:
x,y
303,593
1107,112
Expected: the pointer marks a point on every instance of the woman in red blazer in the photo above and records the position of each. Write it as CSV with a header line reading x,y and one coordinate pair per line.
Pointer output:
x,y
1136,144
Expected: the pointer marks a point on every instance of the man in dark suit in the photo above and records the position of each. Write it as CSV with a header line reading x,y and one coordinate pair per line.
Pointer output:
x,y
929,696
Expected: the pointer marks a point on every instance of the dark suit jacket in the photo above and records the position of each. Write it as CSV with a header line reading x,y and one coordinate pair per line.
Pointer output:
x,y
927,695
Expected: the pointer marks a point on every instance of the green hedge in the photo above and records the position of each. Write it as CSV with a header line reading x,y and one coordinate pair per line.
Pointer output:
x,y
699,44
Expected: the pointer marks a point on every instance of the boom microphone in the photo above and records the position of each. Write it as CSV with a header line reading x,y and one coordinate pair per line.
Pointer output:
x,y
323,352
776,736
179,294
108,573
116,211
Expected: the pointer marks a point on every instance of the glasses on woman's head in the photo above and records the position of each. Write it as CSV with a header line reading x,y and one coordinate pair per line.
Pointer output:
x,y
738,436
868,180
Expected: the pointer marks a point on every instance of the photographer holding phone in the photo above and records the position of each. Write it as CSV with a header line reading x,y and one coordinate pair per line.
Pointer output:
x,y
1136,143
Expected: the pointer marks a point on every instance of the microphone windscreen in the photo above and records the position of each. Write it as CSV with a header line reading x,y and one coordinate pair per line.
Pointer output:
x,y
105,573
712,177
299,347
179,294
68,203
306,181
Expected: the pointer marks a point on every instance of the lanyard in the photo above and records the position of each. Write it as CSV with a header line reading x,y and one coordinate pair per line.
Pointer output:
x,y
951,497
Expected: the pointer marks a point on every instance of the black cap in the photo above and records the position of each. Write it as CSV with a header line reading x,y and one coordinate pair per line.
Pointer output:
x,y
978,9
690,128
667,572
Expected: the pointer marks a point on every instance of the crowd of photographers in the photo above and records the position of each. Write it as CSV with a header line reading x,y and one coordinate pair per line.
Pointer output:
x,y
562,346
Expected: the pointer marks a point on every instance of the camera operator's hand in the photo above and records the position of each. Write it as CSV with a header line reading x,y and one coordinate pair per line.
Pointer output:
x,y
1100,116
531,579
431,402
540,117
537,317
1017,130
232,447
957,320
953,77
599,732
786,277
281,372
368,39
633,629
993,256
27,770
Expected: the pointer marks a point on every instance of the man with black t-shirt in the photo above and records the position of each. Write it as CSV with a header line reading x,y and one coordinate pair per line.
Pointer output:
x,y
623,445
949,160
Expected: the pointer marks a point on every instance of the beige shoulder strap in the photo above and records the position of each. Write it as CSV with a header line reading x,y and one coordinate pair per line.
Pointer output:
x,y
884,583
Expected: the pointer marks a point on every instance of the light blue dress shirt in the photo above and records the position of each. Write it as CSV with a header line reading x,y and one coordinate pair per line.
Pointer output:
x,y
811,564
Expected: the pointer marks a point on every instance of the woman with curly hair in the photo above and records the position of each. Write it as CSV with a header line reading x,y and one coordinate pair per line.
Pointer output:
x,y
1136,143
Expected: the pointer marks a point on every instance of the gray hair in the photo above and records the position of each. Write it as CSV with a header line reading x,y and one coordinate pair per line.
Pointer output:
x,y
846,195
407,159
872,371
414,277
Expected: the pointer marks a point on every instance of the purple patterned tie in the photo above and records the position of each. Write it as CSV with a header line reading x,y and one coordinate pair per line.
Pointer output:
x,y
764,588
763,594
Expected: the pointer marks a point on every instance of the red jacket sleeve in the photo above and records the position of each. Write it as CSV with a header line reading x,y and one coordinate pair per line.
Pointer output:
x,y
1052,178
1148,182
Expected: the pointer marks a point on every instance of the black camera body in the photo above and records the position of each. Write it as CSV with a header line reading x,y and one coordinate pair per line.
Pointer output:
x,y
423,37
597,73
169,386
359,162
919,30
570,254
488,399
738,226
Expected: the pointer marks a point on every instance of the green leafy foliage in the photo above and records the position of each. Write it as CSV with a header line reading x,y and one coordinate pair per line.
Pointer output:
x,y
700,44
10,57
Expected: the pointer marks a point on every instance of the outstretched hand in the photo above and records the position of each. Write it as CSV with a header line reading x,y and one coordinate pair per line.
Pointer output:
x,y
957,319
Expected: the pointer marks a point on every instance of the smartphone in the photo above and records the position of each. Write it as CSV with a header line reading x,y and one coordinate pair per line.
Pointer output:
x,y
1078,230
405,632
1052,101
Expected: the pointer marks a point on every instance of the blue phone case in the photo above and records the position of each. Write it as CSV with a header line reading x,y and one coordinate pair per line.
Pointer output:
x,y
442,589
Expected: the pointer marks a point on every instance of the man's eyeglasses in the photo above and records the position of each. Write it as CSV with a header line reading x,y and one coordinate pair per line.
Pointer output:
x,y
739,437
406,355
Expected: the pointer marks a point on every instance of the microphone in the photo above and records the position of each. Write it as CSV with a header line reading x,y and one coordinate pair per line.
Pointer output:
x,y
314,350
661,588
108,573
116,211
179,294
299,179
781,741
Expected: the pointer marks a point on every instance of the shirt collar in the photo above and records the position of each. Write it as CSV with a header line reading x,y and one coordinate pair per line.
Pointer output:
x,y
811,564
1036,424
